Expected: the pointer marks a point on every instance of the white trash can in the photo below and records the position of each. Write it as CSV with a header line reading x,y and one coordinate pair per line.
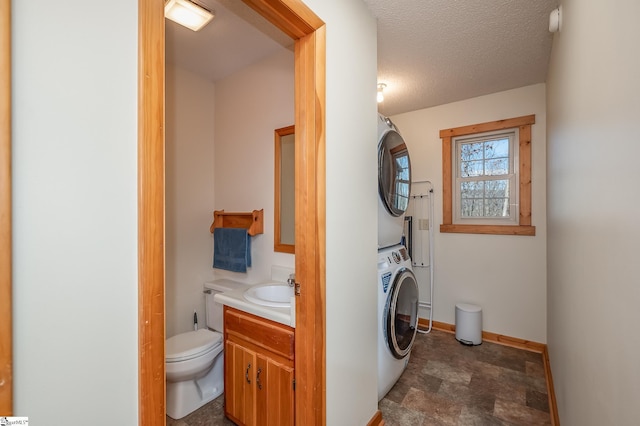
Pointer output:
x,y
468,324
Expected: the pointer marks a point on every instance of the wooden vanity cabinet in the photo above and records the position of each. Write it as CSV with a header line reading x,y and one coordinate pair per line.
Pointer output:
x,y
258,367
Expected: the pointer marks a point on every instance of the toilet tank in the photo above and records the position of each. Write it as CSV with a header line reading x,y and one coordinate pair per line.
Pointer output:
x,y
213,309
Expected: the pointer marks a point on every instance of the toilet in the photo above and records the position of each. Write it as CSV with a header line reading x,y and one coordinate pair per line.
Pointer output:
x,y
194,360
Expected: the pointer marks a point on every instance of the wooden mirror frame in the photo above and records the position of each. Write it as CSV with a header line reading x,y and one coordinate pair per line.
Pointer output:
x,y
278,244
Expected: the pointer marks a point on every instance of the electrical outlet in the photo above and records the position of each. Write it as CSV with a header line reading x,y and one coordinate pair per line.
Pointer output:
x,y
423,224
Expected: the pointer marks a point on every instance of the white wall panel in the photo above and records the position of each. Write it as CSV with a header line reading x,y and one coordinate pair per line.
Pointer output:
x,y
75,278
504,274
351,216
189,159
593,211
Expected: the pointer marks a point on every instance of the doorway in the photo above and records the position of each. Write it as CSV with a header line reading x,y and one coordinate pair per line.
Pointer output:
x,y
308,31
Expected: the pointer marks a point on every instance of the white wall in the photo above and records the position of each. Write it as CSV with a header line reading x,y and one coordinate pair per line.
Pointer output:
x,y
351,219
250,105
593,211
74,210
510,287
220,140
189,196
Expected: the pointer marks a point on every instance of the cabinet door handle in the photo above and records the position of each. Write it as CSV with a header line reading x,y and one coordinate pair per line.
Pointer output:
x,y
246,373
258,378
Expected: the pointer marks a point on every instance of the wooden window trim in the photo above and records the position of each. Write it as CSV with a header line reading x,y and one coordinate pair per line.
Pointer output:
x,y
524,226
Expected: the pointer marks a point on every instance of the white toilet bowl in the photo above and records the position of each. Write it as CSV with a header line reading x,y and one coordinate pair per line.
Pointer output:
x,y
194,360
194,371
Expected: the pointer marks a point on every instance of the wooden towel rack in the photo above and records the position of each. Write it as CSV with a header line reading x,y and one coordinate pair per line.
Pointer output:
x,y
252,221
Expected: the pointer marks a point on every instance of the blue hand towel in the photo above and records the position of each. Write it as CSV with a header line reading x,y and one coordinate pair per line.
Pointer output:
x,y
231,249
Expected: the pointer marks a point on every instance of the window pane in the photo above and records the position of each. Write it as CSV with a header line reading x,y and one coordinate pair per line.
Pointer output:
x,y
473,189
401,194
401,200
471,168
497,188
471,207
496,148
496,167
402,167
471,151
496,207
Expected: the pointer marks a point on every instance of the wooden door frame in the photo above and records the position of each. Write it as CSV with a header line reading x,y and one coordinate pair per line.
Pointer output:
x,y
6,345
298,21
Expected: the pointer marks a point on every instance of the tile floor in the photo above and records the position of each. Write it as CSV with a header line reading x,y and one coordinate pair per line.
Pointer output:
x,y
447,383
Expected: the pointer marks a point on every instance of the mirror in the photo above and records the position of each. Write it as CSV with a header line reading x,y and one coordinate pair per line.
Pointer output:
x,y
284,215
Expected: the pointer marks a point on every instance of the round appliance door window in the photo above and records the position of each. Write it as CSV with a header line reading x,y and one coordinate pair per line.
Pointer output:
x,y
402,313
394,173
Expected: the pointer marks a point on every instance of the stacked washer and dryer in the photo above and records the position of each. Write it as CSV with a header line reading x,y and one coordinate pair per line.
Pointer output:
x,y
397,286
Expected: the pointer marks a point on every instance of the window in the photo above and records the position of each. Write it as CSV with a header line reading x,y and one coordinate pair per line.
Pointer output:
x,y
487,178
486,170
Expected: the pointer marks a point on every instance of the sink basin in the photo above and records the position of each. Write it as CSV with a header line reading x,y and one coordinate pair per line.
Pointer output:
x,y
275,295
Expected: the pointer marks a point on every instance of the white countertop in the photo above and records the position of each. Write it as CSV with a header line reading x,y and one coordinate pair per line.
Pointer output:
x,y
235,299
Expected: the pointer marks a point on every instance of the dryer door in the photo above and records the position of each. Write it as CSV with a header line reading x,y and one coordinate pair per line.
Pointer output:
x,y
401,313
394,173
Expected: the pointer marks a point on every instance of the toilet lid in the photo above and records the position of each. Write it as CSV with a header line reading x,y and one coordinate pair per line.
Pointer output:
x,y
191,344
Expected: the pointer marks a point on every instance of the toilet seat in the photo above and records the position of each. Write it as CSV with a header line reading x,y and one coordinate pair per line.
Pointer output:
x,y
192,344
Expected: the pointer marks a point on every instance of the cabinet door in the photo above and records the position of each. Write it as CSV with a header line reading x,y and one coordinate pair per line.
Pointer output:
x,y
274,392
240,373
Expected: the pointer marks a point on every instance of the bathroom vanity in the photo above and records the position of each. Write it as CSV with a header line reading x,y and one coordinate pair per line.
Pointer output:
x,y
259,369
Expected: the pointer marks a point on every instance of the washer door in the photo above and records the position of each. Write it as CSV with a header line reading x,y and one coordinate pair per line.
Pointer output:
x,y
394,173
401,314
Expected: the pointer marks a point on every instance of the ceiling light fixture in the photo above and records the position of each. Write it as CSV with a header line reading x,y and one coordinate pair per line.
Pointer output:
x,y
380,96
187,14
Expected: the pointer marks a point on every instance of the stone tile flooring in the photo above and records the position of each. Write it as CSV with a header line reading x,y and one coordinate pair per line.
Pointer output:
x,y
447,383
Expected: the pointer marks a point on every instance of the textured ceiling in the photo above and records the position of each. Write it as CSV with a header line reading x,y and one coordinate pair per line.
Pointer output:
x,y
430,52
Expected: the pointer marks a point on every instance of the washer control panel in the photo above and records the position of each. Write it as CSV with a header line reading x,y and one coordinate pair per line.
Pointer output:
x,y
398,256
403,253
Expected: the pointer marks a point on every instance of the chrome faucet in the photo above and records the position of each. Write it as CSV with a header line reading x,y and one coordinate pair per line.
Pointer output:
x,y
292,280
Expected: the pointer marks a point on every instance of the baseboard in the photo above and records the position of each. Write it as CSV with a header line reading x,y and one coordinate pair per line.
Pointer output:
x,y
514,342
501,339
376,420
553,408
